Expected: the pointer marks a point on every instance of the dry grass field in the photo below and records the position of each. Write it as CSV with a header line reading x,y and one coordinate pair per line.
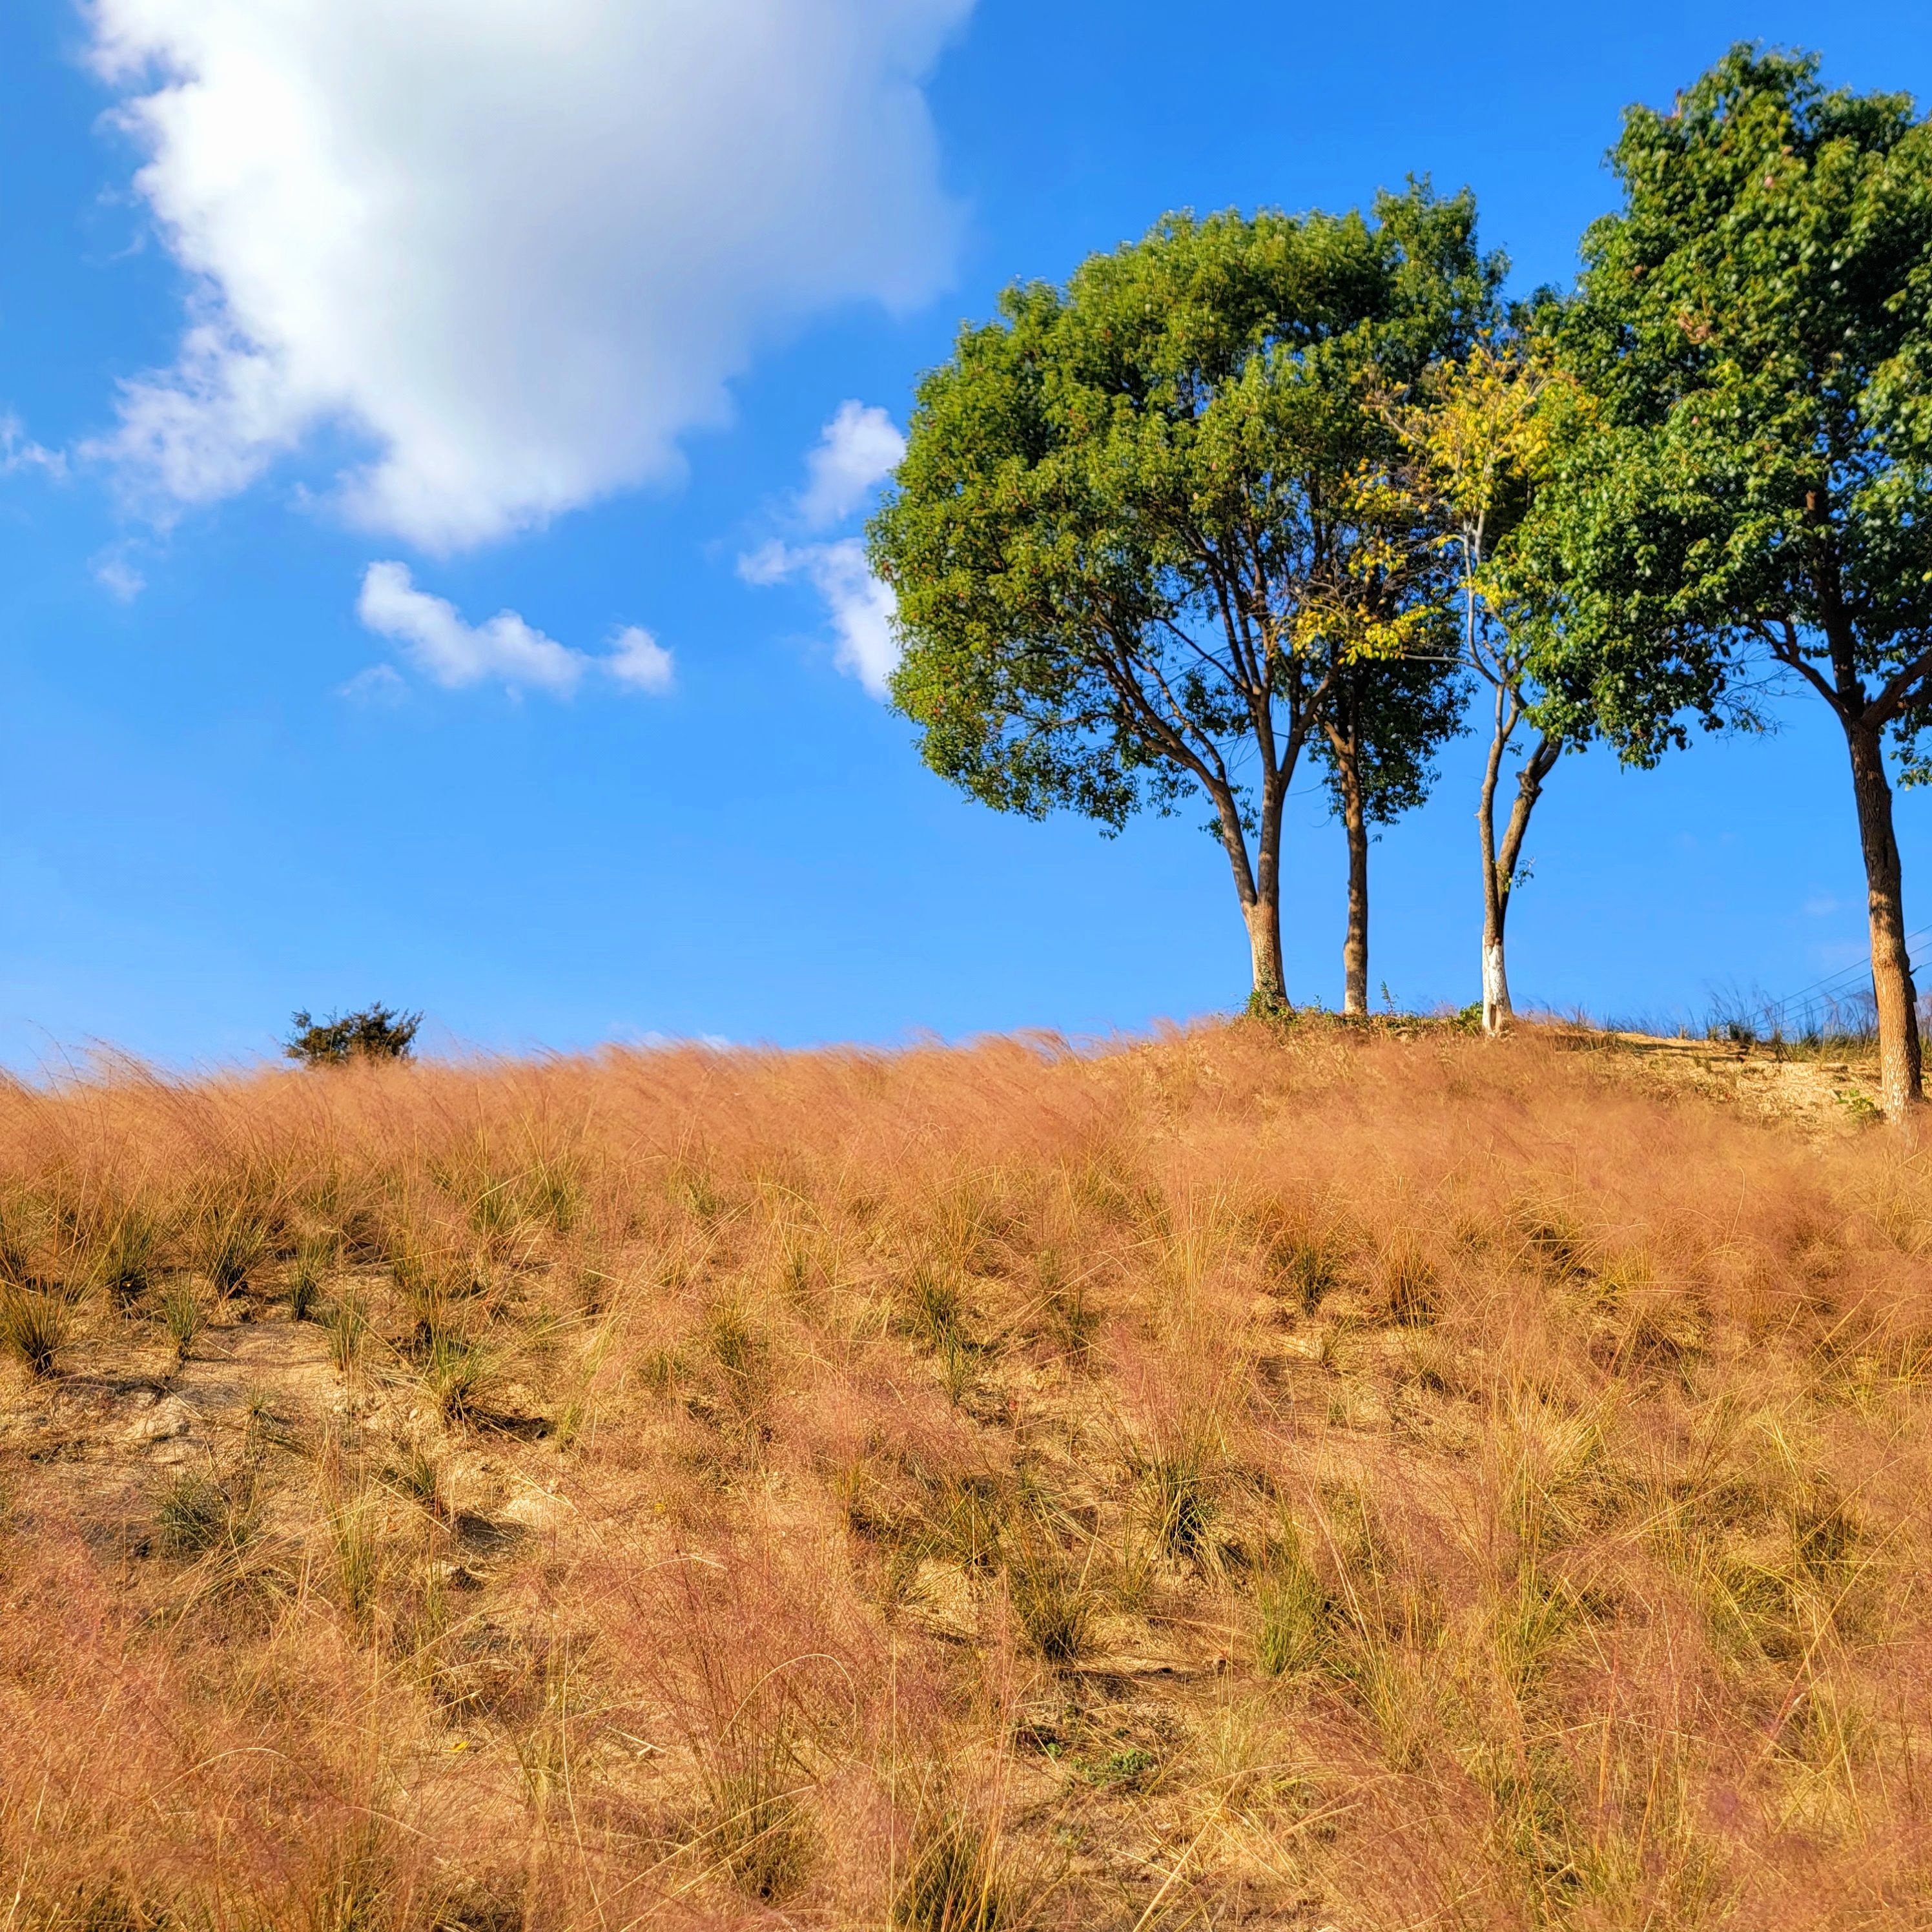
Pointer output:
x,y
1258,1477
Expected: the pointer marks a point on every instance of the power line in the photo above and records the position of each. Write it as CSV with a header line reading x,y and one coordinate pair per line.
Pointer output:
x,y
1861,965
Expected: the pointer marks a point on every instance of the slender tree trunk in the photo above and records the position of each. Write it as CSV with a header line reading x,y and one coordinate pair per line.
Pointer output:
x,y
1265,923
1260,895
1497,1012
1899,1074
1355,944
1499,867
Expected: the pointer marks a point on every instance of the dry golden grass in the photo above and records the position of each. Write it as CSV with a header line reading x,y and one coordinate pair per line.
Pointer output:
x,y
1305,1479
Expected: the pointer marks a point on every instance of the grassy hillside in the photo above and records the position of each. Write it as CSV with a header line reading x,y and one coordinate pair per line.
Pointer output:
x,y
1262,1479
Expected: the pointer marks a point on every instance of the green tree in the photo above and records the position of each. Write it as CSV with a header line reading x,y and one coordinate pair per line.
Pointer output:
x,y
1756,325
1120,498
1481,437
1380,623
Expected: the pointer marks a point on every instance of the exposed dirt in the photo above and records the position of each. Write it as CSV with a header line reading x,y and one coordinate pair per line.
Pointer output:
x,y
1817,1094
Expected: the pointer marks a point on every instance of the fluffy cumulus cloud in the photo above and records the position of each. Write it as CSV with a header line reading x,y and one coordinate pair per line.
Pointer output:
x,y
858,449
513,249
638,660
438,643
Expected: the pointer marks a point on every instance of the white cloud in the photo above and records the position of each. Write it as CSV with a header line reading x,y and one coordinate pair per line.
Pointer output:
x,y
444,648
860,607
19,452
651,1041
117,574
379,685
503,650
519,247
858,448
638,659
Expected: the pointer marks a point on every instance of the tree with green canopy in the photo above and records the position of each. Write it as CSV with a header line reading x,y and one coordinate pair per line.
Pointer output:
x,y
1380,626
1121,500
1481,437
1755,326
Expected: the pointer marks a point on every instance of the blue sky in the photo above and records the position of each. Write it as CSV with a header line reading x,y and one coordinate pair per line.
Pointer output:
x,y
663,247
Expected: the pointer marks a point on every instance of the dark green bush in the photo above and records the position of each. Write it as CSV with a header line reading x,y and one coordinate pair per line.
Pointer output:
x,y
376,1033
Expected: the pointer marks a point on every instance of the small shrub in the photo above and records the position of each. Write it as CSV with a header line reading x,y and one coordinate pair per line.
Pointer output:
x,y
741,1353
1408,1285
356,1889
1068,1316
34,1327
549,1193
304,1289
936,1311
970,1524
373,1032
760,1827
1304,1267
417,1475
23,1220
230,1242
430,1283
123,1260
1181,1502
358,1559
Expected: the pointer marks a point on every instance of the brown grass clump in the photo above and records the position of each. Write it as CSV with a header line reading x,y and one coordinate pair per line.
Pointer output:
x,y
1262,1477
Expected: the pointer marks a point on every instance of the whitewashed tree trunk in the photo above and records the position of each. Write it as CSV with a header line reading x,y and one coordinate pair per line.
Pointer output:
x,y
1496,1010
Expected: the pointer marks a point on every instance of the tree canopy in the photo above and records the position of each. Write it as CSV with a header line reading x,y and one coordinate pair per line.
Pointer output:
x,y
1755,326
1127,534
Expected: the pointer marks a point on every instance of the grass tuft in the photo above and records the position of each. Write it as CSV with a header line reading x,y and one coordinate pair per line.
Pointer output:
x,y
956,1880
198,1513
464,1377
182,1315
35,1326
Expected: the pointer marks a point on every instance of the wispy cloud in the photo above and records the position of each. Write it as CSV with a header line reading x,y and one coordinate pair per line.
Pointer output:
x,y
856,450
380,685
19,452
117,574
859,606
438,643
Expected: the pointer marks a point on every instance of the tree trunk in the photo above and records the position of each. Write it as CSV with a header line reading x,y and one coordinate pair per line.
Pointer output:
x,y
1263,914
1497,1013
1260,897
1499,869
1899,1082
1355,945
